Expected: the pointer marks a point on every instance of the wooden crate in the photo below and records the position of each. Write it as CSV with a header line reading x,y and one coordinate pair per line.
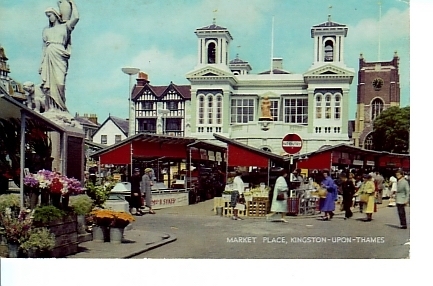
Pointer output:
x,y
258,208
218,202
228,210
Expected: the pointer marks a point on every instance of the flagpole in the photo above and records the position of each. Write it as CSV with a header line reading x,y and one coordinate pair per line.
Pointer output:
x,y
272,46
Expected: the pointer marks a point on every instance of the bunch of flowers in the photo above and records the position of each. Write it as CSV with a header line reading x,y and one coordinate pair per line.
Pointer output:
x,y
122,219
17,230
54,182
102,217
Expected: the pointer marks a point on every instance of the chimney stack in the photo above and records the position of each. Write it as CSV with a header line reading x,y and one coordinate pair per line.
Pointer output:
x,y
142,79
277,63
93,118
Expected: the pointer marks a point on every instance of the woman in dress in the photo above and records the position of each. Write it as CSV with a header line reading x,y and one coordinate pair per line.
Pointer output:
x,y
280,206
367,187
393,190
135,202
56,54
327,205
146,188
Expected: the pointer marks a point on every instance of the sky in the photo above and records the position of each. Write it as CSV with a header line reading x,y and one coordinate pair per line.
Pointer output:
x,y
157,36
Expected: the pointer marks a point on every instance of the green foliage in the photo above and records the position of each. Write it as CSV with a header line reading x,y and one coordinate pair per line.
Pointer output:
x,y
81,204
99,193
391,130
9,201
47,214
40,238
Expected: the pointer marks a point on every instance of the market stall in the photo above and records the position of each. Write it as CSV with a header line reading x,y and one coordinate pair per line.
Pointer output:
x,y
259,169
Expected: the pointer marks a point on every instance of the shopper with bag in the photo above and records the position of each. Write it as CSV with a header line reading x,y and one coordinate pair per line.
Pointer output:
x,y
146,188
327,205
348,190
279,198
367,195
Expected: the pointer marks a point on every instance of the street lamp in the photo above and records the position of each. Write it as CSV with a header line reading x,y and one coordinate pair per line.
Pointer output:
x,y
164,112
131,71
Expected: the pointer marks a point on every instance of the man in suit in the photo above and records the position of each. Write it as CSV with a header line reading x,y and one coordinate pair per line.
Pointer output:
x,y
402,197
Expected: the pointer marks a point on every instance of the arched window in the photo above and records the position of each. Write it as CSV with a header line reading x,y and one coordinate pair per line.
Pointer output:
x,y
328,106
337,106
211,53
376,108
219,108
318,106
267,149
329,51
200,109
210,109
368,142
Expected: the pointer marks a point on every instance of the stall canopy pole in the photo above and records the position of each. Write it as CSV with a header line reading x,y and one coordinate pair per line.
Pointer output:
x,y
132,151
22,158
269,170
189,170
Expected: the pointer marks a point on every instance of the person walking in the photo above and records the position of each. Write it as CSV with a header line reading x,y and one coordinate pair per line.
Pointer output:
x,y
238,189
135,202
358,183
327,205
402,197
279,198
393,190
367,190
348,190
378,181
146,188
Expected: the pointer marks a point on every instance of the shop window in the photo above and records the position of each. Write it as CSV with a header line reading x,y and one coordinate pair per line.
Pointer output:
x,y
173,124
148,125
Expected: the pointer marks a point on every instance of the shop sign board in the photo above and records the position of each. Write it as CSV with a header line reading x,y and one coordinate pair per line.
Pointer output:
x,y
358,162
167,200
370,163
292,143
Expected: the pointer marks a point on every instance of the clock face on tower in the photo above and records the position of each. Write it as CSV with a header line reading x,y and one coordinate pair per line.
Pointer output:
x,y
377,83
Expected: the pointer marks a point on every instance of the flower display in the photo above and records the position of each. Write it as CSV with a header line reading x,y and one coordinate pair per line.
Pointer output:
x,y
17,230
54,182
110,218
122,219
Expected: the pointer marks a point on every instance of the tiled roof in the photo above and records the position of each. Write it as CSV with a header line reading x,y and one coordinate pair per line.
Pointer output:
x,y
329,24
275,71
159,91
212,27
123,124
85,120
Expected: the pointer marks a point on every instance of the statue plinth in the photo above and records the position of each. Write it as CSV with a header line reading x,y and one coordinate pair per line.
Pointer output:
x,y
266,119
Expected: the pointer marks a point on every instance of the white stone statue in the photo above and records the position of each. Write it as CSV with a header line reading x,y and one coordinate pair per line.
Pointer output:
x,y
56,53
35,97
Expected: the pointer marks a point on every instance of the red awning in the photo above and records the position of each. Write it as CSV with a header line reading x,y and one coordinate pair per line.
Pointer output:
x,y
117,156
317,161
238,156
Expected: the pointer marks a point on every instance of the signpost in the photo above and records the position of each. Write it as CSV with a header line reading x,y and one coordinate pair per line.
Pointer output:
x,y
291,144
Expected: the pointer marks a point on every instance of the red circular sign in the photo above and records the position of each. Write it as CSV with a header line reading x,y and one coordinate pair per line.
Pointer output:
x,y
292,143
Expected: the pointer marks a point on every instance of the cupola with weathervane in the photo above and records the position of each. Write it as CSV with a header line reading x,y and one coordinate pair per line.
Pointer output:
x,y
329,42
213,46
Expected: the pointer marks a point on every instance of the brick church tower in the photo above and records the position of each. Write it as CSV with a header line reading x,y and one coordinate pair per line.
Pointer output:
x,y
378,89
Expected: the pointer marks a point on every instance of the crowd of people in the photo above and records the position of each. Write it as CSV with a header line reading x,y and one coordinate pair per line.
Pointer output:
x,y
364,190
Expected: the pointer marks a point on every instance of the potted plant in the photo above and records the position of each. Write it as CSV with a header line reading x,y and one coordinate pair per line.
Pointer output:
x,y
11,203
82,206
43,215
102,219
117,227
99,193
39,243
16,230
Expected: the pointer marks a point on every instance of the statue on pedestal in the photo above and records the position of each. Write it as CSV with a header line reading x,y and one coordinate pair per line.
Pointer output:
x,y
266,110
56,53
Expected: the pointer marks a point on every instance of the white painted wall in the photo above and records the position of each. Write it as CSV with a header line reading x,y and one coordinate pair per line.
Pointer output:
x,y
110,129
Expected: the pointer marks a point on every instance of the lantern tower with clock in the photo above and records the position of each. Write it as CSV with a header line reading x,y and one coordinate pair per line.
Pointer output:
x,y
378,89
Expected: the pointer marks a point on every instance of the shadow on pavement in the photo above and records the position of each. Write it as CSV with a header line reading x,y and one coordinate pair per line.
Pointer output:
x,y
392,225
